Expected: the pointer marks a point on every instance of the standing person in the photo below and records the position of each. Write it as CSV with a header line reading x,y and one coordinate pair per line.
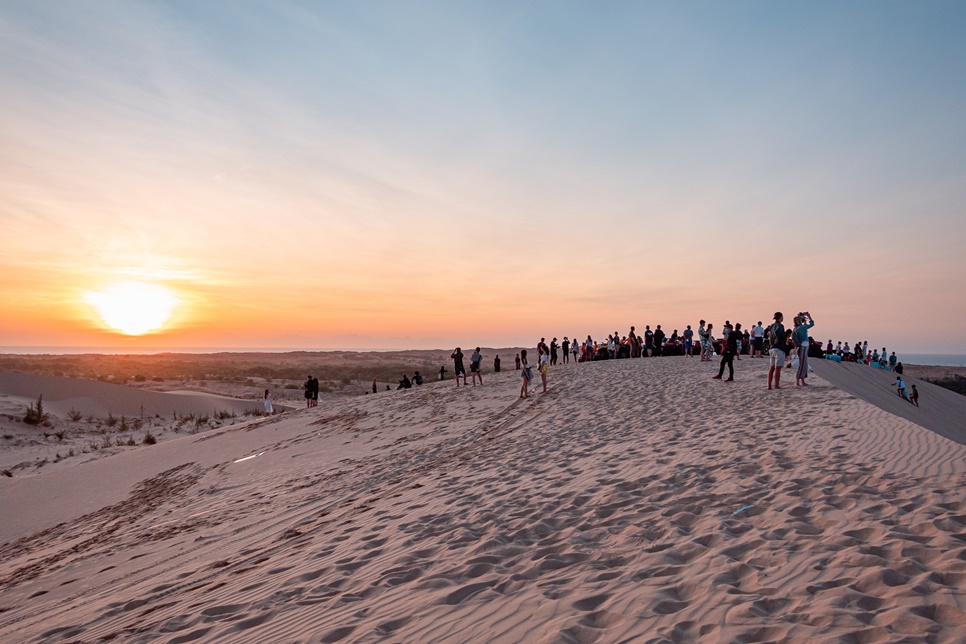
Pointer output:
x,y
315,392
803,322
565,346
892,361
688,341
496,364
543,367
269,410
525,374
476,366
374,389
518,361
728,354
458,366
442,374
702,338
307,386
708,342
588,349
658,341
757,339
776,355
553,351
648,341
635,344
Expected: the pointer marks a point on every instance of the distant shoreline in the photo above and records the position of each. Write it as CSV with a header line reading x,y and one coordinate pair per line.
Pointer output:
x,y
920,359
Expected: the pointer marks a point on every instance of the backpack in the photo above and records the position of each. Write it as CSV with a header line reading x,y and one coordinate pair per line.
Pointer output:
x,y
773,338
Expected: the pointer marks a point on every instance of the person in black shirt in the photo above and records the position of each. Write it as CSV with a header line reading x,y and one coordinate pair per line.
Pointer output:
x,y
458,364
728,356
553,351
496,364
404,383
565,345
658,340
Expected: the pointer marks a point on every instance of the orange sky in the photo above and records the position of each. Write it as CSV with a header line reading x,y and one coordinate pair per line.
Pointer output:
x,y
354,179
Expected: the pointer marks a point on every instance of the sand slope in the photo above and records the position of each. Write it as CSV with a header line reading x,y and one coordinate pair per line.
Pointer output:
x,y
940,410
638,500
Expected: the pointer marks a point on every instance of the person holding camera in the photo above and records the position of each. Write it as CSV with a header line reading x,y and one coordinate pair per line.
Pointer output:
x,y
803,322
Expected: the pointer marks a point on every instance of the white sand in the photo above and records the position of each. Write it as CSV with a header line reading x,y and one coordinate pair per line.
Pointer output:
x,y
606,510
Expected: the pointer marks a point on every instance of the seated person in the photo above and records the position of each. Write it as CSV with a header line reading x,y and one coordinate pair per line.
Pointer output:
x,y
404,383
417,379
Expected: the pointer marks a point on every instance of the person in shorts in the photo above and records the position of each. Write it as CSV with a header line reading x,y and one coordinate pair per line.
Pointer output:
x,y
458,366
476,367
758,339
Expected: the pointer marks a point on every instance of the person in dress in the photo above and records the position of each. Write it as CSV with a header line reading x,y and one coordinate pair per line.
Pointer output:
x,y
269,410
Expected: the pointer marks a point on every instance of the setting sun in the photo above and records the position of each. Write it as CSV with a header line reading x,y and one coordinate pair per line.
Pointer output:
x,y
134,308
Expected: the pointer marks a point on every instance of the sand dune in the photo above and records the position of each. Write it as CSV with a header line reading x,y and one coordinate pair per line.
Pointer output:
x,y
941,410
638,500
100,398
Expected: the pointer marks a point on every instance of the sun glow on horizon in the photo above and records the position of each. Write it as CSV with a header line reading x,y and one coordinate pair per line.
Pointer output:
x,y
133,308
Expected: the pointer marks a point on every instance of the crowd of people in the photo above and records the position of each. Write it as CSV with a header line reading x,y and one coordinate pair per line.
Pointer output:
x,y
784,348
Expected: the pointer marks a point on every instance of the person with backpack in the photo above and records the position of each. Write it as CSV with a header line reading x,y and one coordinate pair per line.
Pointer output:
x,y
778,351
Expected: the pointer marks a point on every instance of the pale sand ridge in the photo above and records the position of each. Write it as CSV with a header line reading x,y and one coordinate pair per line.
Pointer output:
x,y
602,511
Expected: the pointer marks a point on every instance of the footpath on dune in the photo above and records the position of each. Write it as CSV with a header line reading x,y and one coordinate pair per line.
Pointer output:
x,y
637,500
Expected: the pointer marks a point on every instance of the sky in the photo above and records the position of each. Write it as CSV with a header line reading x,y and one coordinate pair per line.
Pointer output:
x,y
425,174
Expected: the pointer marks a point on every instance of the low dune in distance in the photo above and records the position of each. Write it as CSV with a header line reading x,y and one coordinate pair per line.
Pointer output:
x,y
638,500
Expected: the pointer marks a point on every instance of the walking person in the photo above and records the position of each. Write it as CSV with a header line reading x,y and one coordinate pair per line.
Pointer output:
x,y
803,322
729,353
776,354
525,375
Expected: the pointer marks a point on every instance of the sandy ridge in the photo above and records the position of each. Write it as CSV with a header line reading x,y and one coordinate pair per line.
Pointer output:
x,y
605,510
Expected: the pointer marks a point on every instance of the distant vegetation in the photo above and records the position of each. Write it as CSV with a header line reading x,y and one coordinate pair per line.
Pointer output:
x,y
36,414
340,368
956,383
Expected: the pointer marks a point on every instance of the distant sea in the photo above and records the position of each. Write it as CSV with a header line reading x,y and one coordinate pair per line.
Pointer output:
x,y
936,359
